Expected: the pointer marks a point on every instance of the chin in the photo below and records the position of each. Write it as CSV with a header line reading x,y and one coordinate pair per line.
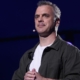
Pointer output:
x,y
40,31
43,34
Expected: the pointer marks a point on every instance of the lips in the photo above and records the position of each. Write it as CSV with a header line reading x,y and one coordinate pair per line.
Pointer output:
x,y
41,25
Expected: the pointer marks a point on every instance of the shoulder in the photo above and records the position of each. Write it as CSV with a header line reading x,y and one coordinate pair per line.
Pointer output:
x,y
70,50
28,52
24,57
71,47
68,45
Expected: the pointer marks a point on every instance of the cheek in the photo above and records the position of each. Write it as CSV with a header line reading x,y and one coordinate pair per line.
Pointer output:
x,y
50,23
35,22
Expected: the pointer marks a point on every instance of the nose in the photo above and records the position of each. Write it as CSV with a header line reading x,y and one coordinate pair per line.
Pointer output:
x,y
40,19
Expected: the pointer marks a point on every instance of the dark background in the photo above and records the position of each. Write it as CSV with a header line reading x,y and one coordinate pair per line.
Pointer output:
x,y
17,23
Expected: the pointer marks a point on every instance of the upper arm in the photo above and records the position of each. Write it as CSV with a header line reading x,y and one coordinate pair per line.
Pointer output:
x,y
72,63
19,73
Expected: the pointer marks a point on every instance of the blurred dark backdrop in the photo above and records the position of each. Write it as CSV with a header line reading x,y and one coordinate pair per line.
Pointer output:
x,y
17,23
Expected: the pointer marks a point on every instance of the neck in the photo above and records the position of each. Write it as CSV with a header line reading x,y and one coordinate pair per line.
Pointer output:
x,y
44,41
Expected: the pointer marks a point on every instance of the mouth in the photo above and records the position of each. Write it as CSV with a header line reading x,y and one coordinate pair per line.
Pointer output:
x,y
41,25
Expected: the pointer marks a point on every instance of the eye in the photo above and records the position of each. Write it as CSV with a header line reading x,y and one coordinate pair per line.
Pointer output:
x,y
46,15
36,16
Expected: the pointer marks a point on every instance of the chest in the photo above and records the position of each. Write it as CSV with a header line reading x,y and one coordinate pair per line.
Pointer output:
x,y
51,64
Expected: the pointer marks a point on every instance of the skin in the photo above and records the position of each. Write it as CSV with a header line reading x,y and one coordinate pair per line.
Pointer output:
x,y
44,20
45,26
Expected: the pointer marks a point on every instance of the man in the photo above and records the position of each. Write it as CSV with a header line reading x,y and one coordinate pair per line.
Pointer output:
x,y
52,58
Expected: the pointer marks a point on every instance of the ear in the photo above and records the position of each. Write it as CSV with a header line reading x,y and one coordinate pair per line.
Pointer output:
x,y
57,22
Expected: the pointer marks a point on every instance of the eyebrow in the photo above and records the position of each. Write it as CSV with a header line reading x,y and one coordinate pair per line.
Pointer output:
x,y
44,14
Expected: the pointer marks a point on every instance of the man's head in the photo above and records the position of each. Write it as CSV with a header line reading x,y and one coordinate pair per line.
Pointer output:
x,y
47,18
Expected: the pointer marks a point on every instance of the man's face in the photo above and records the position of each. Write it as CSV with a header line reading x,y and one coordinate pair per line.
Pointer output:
x,y
44,20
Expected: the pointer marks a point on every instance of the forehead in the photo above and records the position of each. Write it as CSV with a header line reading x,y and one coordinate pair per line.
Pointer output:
x,y
44,9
